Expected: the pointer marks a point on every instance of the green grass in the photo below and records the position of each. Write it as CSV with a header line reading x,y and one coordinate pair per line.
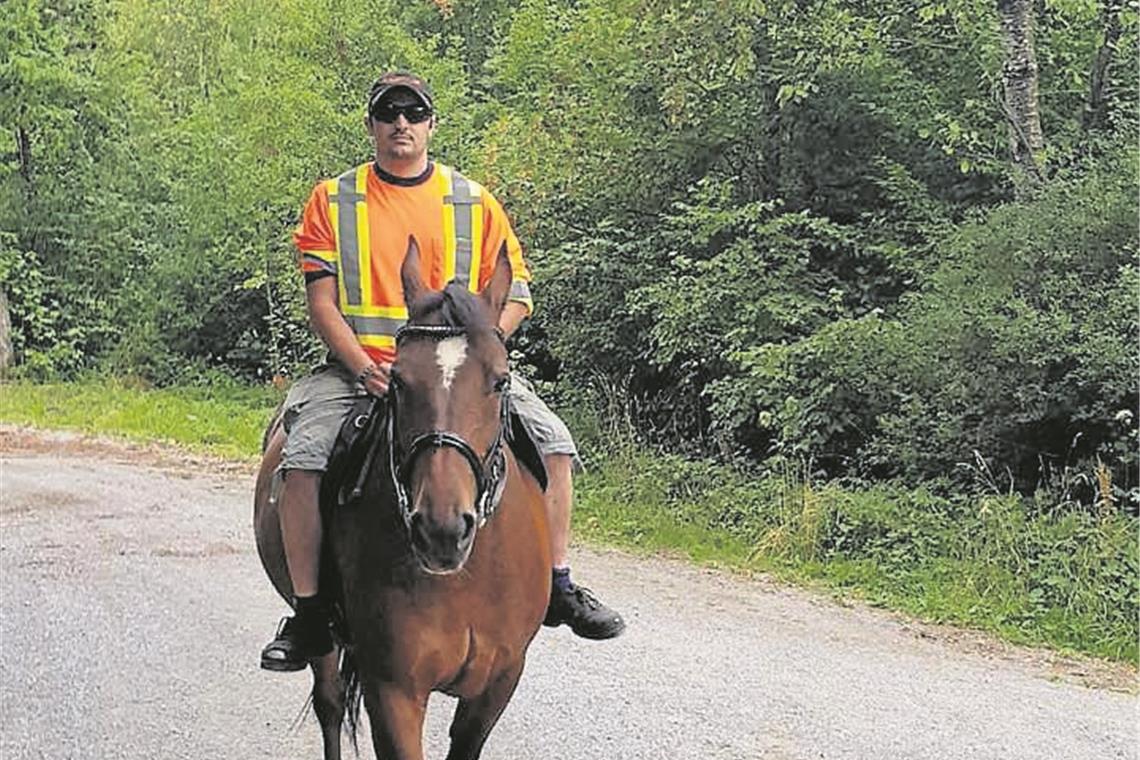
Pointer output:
x,y
1056,575
226,421
1059,577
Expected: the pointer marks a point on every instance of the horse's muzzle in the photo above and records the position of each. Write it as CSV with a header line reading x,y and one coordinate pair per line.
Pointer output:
x,y
442,546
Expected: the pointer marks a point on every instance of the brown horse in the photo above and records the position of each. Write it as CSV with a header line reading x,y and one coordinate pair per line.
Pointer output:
x,y
435,599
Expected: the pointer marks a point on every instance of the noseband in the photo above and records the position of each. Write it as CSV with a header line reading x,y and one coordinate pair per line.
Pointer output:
x,y
489,471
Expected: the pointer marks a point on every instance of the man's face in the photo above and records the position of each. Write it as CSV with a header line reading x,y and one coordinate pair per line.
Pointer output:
x,y
393,123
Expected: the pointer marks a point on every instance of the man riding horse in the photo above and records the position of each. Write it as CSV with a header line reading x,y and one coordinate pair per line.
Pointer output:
x,y
353,238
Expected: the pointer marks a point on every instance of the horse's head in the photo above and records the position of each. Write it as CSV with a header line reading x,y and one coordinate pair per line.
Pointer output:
x,y
448,412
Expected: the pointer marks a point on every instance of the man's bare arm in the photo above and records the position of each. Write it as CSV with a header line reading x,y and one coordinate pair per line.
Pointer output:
x,y
513,315
330,326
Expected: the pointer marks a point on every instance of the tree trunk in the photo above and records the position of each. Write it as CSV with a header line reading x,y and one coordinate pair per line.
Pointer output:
x,y
5,334
1096,107
24,150
1019,79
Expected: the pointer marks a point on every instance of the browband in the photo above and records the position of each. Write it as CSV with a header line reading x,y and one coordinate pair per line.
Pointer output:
x,y
438,332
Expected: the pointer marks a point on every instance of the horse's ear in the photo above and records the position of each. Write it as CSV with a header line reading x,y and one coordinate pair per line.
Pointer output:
x,y
410,274
499,286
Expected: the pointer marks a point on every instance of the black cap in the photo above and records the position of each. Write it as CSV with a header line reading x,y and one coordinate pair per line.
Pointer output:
x,y
395,80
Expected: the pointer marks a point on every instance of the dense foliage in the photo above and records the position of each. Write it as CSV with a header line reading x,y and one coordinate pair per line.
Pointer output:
x,y
767,231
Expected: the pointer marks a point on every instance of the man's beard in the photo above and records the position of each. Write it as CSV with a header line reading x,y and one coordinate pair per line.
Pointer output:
x,y
403,150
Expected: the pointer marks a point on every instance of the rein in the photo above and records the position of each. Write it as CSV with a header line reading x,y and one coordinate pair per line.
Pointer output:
x,y
489,471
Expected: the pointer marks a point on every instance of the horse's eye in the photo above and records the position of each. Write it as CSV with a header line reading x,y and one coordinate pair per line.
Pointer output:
x,y
502,384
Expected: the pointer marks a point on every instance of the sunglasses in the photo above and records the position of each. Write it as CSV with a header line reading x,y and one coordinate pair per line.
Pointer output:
x,y
388,113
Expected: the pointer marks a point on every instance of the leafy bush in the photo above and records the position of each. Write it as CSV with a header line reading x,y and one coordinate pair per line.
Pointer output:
x,y
1034,569
48,340
1021,342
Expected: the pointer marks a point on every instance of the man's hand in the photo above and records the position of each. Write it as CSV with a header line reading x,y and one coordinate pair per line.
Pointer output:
x,y
376,381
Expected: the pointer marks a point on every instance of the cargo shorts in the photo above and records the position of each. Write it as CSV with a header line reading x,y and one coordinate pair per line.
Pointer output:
x,y
317,404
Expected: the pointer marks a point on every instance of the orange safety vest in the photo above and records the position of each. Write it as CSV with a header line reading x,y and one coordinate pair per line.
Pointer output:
x,y
373,318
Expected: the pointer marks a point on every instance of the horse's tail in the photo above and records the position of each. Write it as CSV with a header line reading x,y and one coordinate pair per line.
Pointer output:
x,y
350,678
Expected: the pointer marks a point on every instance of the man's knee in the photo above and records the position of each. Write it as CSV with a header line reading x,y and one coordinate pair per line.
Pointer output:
x,y
559,466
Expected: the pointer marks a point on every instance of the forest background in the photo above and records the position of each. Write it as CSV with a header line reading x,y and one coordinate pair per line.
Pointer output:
x,y
841,290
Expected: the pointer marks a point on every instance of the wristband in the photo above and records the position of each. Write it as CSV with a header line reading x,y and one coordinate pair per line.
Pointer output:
x,y
366,373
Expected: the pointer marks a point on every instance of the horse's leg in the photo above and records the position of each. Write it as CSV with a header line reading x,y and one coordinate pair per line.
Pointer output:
x,y
397,719
328,701
474,718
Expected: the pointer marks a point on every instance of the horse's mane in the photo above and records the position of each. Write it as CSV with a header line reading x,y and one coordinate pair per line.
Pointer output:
x,y
454,306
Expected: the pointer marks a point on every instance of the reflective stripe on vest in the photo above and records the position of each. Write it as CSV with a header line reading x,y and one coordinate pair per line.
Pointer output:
x,y
462,226
376,325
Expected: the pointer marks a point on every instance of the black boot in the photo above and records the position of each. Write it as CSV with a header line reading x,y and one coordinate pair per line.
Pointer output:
x,y
587,617
299,639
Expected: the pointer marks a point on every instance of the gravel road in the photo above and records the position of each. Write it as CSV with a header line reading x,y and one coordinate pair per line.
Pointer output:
x,y
133,608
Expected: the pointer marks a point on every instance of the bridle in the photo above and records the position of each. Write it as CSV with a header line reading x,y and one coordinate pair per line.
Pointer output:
x,y
489,471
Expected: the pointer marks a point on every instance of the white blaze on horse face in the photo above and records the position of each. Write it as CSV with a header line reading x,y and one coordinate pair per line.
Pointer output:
x,y
450,354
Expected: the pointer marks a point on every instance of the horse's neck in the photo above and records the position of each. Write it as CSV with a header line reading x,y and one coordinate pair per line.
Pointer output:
x,y
369,536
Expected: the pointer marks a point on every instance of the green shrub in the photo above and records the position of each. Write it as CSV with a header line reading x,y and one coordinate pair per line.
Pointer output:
x,y
1032,569
1020,348
55,322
